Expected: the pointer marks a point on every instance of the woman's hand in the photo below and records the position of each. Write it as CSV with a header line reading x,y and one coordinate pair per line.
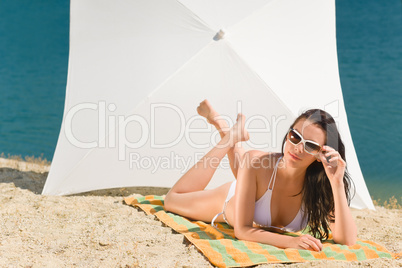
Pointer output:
x,y
333,164
306,242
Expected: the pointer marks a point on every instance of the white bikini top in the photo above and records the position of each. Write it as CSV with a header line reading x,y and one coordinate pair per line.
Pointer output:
x,y
262,211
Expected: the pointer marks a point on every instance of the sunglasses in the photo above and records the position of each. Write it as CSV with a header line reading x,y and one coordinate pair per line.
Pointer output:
x,y
310,147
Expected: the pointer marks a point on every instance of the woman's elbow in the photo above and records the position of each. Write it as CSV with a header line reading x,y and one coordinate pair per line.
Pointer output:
x,y
352,238
347,237
347,241
240,232
350,241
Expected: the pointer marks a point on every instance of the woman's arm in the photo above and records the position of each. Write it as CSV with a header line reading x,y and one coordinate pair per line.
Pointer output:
x,y
278,240
344,229
246,189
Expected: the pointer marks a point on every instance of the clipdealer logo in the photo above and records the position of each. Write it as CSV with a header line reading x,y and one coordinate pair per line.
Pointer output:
x,y
112,132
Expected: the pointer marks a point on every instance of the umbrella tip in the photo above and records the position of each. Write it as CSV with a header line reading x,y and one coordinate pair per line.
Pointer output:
x,y
219,35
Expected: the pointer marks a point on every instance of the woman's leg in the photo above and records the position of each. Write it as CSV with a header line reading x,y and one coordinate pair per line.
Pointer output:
x,y
188,197
235,153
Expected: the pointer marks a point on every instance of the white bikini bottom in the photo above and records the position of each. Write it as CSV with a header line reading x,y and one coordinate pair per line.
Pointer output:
x,y
228,197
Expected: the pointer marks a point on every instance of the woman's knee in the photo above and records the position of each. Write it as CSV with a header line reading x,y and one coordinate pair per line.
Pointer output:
x,y
173,202
167,203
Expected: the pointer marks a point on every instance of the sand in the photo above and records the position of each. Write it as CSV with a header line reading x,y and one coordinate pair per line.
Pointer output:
x,y
98,230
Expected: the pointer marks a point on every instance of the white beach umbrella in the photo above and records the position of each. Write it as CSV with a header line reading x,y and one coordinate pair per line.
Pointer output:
x,y
139,68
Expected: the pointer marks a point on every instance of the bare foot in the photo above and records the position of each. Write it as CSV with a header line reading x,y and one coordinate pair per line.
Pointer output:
x,y
238,131
205,109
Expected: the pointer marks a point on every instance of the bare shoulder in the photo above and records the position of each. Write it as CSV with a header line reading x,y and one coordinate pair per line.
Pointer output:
x,y
263,164
261,160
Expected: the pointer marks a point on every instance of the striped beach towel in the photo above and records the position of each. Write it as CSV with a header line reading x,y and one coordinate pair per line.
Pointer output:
x,y
223,250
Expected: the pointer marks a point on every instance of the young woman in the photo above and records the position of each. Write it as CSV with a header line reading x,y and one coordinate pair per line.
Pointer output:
x,y
305,185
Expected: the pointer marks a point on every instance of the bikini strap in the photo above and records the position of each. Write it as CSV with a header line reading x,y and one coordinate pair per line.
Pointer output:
x,y
274,174
213,220
220,213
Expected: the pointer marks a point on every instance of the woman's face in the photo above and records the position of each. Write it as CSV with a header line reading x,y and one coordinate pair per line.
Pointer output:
x,y
295,155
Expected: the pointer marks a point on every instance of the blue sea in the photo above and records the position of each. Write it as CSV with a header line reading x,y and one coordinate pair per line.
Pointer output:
x,y
34,40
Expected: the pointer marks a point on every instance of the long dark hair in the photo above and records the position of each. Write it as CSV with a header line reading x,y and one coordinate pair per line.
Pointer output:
x,y
316,193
